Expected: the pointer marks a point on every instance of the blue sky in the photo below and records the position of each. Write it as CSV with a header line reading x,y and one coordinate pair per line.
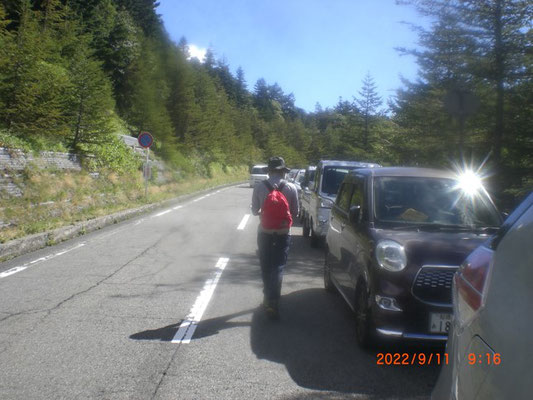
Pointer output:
x,y
317,49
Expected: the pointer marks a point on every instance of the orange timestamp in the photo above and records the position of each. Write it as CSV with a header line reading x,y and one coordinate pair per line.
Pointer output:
x,y
484,358
412,358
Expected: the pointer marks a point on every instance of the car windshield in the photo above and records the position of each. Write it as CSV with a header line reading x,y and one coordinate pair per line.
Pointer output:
x,y
333,177
260,170
431,201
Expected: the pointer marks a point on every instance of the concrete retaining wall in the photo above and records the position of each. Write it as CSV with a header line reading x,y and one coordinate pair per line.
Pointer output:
x,y
13,161
17,160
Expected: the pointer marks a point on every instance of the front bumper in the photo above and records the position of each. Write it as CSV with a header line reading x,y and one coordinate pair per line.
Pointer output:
x,y
411,323
398,334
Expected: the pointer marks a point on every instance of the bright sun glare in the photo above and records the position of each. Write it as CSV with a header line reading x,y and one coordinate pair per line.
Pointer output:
x,y
469,182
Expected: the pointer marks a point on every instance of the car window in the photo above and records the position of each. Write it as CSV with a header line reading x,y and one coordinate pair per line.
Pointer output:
x,y
358,196
431,200
260,170
333,177
311,175
345,193
316,179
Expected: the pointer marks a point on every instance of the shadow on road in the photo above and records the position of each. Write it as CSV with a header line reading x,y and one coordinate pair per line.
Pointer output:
x,y
315,341
164,334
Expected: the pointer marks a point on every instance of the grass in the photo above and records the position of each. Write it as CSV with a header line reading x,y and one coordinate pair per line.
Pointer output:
x,y
52,199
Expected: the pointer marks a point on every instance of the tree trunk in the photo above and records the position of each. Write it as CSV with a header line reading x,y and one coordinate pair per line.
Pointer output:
x,y
499,80
78,126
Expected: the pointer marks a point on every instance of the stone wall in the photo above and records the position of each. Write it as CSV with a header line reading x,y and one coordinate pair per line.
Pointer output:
x,y
17,160
12,161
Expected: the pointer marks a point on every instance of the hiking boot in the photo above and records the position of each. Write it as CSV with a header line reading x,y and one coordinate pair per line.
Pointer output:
x,y
272,310
272,313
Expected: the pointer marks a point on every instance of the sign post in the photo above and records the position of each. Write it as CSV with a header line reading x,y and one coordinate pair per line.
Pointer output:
x,y
146,140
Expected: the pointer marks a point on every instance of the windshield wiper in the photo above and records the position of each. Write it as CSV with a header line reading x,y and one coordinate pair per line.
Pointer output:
x,y
486,229
434,227
445,227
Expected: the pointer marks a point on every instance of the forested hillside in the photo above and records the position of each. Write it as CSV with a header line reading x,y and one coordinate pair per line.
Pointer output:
x,y
74,73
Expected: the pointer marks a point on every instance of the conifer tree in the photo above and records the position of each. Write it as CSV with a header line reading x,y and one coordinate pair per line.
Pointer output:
x,y
91,105
368,106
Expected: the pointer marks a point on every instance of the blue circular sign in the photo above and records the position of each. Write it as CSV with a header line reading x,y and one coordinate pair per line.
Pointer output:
x,y
145,139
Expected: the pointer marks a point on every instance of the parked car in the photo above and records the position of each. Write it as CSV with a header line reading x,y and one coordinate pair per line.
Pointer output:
x,y
299,178
396,237
296,180
490,344
328,177
258,173
304,197
296,177
292,174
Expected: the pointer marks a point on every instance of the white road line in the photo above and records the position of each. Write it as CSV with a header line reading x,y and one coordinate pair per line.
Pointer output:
x,y
162,213
189,324
243,222
198,199
20,268
177,207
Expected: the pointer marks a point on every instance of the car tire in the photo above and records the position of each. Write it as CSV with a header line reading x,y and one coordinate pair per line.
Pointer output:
x,y
305,227
328,284
364,332
315,239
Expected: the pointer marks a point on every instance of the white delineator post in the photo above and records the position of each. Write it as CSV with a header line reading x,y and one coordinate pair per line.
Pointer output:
x,y
146,173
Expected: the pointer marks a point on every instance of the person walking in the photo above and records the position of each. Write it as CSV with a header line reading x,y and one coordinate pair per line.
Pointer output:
x,y
276,202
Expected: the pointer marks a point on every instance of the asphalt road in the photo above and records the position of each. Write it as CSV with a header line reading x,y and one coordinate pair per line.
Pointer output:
x,y
99,317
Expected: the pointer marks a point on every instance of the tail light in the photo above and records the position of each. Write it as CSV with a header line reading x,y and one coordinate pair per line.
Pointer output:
x,y
471,284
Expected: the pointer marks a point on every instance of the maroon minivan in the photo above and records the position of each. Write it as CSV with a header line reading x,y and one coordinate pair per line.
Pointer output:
x,y
396,237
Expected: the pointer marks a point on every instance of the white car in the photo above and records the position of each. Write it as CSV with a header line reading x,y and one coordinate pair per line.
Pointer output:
x,y
489,349
258,174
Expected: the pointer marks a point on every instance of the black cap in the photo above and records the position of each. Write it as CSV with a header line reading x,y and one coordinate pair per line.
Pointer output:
x,y
277,164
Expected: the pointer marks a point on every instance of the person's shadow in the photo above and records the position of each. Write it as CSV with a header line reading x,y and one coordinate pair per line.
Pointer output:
x,y
315,340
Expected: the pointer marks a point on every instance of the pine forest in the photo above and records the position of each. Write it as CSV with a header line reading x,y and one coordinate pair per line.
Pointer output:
x,y
74,74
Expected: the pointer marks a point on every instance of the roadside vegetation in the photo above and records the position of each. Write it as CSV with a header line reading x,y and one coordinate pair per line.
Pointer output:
x,y
74,74
55,198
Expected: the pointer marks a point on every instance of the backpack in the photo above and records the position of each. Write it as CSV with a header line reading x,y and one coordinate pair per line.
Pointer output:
x,y
275,213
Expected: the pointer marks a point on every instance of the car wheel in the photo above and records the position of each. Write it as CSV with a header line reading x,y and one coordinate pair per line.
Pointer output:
x,y
305,227
315,239
363,318
328,284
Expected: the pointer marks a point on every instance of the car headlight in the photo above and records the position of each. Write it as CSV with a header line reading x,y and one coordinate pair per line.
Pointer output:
x,y
391,255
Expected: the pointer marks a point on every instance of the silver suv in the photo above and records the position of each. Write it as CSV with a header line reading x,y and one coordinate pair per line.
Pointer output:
x,y
329,175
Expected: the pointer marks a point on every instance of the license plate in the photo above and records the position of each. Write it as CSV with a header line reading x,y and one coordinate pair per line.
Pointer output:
x,y
440,323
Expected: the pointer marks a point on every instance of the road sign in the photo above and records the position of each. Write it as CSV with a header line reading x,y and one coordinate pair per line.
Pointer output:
x,y
145,140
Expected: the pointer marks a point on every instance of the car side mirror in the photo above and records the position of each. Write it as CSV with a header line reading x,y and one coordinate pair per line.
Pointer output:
x,y
354,213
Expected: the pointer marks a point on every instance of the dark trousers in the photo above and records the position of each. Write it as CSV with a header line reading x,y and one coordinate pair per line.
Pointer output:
x,y
273,252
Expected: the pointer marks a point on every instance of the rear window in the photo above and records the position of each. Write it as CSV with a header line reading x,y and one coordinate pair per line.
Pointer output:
x,y
260,170
333,177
